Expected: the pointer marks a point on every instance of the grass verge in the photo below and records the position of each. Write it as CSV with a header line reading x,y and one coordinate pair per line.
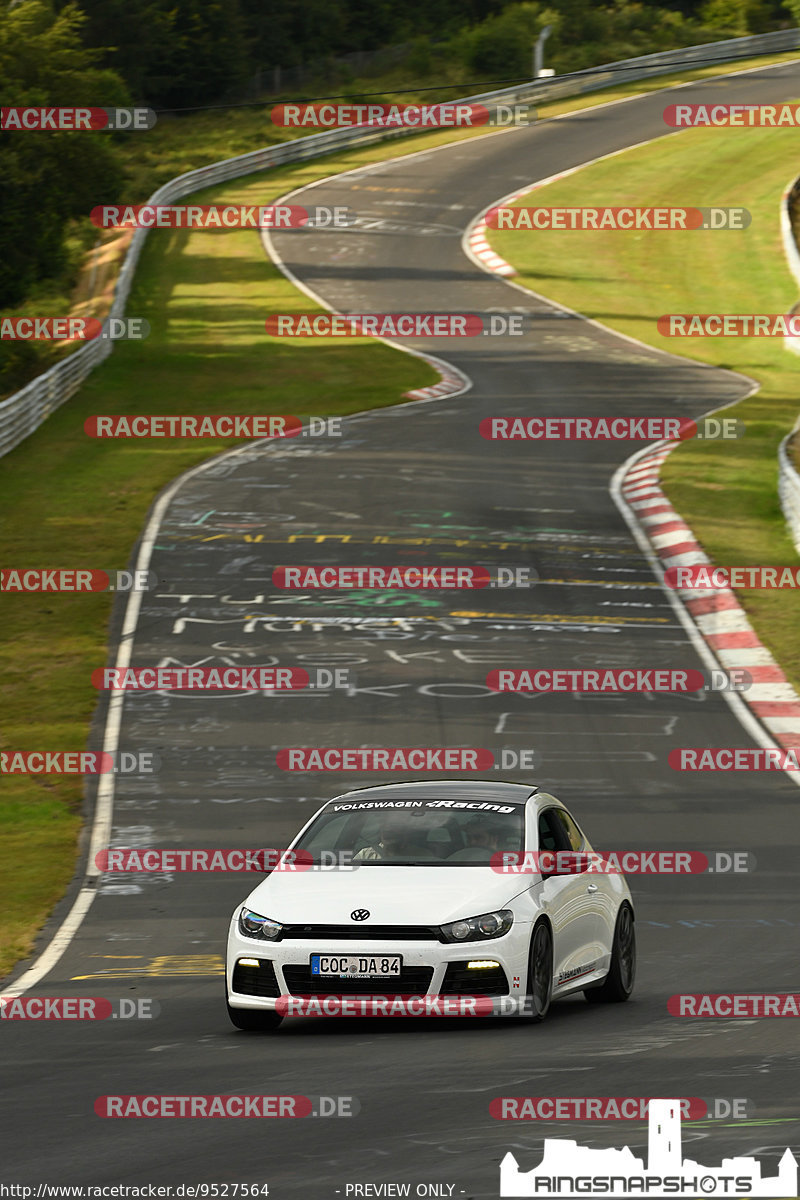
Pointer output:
x,y
727,491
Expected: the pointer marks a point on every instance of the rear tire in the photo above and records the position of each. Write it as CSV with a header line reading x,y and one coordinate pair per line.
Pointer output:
x,y
253,1019
540,972
618,984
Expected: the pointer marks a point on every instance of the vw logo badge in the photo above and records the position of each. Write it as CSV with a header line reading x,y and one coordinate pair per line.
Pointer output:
x,y
359,914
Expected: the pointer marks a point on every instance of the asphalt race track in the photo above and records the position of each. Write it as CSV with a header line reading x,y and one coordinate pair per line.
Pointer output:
x,y
419,485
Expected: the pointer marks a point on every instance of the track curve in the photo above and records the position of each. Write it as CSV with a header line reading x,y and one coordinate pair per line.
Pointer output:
x,y
418,483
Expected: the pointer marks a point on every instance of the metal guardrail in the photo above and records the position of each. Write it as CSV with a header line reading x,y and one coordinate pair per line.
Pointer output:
x,y
789,488
25,411
788,477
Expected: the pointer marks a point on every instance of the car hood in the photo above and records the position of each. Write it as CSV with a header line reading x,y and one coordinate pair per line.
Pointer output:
x,y
393,895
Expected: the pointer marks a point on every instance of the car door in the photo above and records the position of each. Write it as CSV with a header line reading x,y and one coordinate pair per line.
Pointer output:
x,y
606,893
570,901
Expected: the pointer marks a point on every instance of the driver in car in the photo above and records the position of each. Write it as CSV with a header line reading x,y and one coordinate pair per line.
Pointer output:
x,y
484,839
392,843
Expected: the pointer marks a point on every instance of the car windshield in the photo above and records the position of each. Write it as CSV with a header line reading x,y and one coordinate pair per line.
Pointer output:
x,y
420,833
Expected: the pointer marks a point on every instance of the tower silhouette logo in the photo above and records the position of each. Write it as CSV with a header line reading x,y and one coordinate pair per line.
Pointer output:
x,y
568,1169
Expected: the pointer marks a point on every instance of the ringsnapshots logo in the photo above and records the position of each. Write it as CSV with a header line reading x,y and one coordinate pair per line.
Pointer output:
x,y
568,1169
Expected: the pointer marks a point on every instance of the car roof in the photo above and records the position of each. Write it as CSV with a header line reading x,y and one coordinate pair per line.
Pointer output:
x,y
452,789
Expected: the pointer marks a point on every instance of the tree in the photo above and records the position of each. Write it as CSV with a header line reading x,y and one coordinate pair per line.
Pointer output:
x,y
50,177
172,53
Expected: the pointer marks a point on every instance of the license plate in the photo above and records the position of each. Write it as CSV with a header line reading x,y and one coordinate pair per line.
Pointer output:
x,y
356,966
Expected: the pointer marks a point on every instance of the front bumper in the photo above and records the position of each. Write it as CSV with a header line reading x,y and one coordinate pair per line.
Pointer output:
x,y
428,969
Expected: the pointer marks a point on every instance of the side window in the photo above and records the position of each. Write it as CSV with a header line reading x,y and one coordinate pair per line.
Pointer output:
x,y
552,834
575,840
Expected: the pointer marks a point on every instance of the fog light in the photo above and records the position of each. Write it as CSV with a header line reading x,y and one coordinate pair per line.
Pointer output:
x,y
481,963
249,962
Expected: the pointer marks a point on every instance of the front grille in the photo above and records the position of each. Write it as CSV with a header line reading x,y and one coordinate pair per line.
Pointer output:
x,y
412,981
256,981
460,980
362,933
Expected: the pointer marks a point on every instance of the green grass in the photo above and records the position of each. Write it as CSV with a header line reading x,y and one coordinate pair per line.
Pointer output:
x,y
727,491
76,501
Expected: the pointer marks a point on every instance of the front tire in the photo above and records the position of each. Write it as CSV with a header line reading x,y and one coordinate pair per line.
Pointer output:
x,y
618,984
252,1019
540,972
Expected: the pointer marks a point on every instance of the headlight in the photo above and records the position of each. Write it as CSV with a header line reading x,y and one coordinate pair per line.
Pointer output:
x,y
479,929
253,925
